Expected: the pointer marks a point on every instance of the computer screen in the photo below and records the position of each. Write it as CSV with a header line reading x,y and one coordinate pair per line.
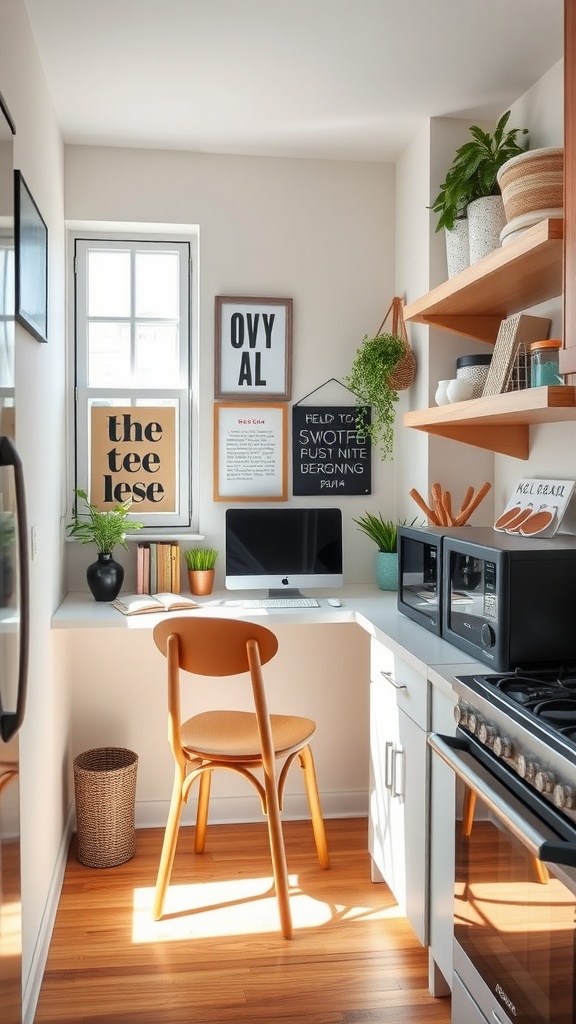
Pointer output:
x,y
283,549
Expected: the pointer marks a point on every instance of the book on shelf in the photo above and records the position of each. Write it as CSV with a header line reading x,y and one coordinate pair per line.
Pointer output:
x,y
138,604
158,567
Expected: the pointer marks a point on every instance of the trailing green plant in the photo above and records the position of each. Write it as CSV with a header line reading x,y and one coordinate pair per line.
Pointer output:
x,y
369,379
473,172
200,558
104,529
384,532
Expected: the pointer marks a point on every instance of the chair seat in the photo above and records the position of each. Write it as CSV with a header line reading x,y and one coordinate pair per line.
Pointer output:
x,y
233,735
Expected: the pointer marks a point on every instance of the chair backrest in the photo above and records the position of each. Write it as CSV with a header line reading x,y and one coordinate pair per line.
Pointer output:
x,y
214,647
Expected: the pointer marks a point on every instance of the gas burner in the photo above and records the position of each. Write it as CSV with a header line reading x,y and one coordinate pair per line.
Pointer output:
x,y
526,689
561,709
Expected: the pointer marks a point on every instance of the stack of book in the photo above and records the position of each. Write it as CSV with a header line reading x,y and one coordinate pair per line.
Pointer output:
x,y
158,567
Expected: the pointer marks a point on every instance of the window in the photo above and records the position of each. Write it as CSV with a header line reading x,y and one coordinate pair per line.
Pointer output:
x,y
133,376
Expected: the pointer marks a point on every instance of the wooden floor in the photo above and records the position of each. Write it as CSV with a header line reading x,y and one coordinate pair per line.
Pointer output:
x,y
352,958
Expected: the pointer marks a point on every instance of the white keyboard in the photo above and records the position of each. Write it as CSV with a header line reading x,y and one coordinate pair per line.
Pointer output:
x,y
281,602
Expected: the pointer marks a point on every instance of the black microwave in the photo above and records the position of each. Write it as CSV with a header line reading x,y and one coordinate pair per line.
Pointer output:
x,y
420,574
509,601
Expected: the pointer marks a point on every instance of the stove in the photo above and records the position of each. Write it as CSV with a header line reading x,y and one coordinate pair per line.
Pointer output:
x,y
526,721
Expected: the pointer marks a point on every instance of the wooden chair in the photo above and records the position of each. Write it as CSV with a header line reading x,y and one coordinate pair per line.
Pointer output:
x,y
243,741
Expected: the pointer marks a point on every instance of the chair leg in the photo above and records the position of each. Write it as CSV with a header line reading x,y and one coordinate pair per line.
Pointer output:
x,y
169,844
279,866
202,811
311,784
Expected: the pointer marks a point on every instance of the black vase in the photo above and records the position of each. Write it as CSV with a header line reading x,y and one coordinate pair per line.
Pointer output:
x,y
105,578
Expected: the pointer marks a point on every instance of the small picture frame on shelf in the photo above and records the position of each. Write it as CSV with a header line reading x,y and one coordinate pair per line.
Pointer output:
x,y
509,369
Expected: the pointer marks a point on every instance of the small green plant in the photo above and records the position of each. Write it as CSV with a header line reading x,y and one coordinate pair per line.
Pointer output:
x,y
369,379
384,532
474,170
104,529
200,558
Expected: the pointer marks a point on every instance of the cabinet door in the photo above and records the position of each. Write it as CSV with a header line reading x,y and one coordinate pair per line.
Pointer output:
x,y
398,792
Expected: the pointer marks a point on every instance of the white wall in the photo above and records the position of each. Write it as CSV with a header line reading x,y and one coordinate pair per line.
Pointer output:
x,y
40,390
321,232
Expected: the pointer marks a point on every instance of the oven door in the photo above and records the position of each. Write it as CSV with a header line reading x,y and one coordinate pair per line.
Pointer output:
x,y
515,902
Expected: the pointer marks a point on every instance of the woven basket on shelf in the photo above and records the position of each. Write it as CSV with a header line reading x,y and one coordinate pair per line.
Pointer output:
x,y
533,180
105,791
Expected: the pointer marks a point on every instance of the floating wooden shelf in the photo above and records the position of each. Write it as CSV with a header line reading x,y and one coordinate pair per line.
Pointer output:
x,y
512,278
500,423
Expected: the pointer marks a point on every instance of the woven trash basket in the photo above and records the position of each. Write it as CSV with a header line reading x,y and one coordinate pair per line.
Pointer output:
x,y
105,792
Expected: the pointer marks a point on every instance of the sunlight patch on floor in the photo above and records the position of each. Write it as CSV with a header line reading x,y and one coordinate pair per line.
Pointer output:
x,y
245,906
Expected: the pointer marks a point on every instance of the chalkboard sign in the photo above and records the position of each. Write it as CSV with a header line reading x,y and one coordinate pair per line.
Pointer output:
x,y
327,455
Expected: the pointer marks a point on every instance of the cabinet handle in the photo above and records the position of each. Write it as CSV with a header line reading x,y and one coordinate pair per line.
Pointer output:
x,y
398,790
390,678
388,764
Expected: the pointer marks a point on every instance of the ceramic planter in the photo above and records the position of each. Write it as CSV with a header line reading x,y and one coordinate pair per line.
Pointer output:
x,y
201,581
486,218
386,570
105,578
457,247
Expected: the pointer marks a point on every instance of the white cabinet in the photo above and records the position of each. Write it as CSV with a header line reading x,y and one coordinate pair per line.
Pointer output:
x,y
398,783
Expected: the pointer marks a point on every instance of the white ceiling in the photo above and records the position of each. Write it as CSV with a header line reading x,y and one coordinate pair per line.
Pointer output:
x,y
336,79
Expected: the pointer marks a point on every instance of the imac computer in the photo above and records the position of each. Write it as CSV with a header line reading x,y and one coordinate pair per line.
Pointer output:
x,y
283,549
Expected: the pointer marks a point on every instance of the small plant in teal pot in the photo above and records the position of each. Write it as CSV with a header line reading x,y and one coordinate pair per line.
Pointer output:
x,y
384,533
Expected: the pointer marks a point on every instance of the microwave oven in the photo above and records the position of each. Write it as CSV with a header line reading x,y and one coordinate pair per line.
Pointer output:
x,y
509,601
420,574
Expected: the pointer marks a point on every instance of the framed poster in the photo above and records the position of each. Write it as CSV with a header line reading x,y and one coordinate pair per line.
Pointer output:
x,y
253,349
250,452
328,457
31,244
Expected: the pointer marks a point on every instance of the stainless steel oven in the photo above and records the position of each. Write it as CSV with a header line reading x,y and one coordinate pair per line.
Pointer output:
x,y
515,859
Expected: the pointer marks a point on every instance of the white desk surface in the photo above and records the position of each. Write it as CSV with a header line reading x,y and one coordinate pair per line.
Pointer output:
x,y
373,610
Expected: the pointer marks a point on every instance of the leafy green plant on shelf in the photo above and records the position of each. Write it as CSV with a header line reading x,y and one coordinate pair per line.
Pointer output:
x,y
105,529
473,173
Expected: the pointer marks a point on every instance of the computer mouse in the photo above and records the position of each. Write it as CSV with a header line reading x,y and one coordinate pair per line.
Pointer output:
x,y
334,602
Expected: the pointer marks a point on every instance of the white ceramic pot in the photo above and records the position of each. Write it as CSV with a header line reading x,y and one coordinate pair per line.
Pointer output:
x,y
486,218
441,396
457,247
460,390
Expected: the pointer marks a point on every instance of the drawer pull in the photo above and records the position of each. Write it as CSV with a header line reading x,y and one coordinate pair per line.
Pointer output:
x,y
388,764
390,678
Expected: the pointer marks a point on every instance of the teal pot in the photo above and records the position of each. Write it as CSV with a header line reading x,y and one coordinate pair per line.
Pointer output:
x,y
105,578
386,570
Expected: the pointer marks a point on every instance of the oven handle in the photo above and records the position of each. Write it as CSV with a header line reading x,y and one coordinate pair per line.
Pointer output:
x,y
499,801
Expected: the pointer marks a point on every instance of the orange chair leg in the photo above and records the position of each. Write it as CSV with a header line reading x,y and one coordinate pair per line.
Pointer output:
x,y
279,866
169,844
202,811
311,784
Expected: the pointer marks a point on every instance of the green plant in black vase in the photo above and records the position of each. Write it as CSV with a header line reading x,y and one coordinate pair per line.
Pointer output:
x,y
473,172
369,379
104,529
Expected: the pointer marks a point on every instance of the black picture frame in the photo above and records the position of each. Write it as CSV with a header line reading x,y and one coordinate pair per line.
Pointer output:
x,y
31,241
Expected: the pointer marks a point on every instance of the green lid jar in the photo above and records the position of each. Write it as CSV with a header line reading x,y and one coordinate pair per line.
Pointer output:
x,y
544,363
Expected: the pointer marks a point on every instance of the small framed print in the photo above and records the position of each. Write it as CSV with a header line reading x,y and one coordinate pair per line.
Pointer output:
x,y
253,349
250,461
31,244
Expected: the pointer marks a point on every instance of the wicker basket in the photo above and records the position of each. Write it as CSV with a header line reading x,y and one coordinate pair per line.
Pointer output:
x,y
105,791
533,180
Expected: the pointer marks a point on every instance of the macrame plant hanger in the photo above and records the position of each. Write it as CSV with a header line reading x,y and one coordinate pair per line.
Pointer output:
x,y
404,371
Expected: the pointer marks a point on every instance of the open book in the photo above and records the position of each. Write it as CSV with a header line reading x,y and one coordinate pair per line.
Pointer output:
x,y
138,604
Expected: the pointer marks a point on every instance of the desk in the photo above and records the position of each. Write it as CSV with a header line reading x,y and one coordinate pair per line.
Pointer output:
x,y
117,678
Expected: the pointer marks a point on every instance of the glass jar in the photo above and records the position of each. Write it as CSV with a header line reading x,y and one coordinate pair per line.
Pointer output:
x,y
544,363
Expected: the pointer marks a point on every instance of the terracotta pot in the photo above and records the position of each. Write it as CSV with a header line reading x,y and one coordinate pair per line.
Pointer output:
x,y
201,581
